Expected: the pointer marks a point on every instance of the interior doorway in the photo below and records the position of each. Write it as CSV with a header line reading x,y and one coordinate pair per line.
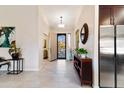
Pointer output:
x,y
45,47
61,46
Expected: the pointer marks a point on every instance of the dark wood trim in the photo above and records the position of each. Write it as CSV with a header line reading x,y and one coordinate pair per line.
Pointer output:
x,y
99,49
65,44
111,6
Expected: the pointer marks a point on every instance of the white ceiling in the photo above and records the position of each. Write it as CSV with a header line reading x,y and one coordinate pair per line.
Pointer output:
x,y
70,13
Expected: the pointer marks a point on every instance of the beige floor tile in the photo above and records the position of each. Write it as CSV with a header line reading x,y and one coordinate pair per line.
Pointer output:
x,y
56,74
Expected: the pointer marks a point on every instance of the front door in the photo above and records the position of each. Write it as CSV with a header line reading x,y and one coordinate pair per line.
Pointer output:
x,y
61,46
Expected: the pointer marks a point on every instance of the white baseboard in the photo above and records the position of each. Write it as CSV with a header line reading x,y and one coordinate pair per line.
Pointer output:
x,y
31,69
95,86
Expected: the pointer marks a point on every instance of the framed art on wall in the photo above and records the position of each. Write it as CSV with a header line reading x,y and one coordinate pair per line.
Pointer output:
x,y
7,35
77,38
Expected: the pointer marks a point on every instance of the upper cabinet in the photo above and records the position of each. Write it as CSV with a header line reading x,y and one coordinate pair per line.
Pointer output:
x,y
110,15
119,15
105,16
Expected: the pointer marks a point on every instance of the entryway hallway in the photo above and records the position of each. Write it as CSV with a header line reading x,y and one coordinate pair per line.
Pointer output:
x,y
42,44
56,74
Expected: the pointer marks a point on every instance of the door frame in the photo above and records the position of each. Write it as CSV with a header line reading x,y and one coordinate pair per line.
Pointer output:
x,y
65,44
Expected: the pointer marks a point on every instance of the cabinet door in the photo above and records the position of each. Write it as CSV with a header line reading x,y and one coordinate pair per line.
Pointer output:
x,y
119,15
87,71
105,16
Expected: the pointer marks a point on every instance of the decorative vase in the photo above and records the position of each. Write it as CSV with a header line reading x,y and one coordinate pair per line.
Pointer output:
x,y
83,56
15,55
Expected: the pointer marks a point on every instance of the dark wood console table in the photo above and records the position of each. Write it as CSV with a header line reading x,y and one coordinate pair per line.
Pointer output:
x,y
17,67
84,69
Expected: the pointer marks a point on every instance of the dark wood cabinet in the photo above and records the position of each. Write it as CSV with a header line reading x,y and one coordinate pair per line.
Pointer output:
x,y
111,15
83,67
105,16
119,15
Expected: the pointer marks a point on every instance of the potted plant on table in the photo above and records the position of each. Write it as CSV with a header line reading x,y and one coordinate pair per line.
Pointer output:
x,y
14,51
82,52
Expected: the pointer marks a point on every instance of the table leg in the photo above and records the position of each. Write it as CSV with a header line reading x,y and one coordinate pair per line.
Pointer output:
x,y
22,65
8,67
17,66
13,66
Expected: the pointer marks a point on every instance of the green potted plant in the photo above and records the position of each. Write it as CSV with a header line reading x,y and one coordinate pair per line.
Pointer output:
x,y
82,52
14,51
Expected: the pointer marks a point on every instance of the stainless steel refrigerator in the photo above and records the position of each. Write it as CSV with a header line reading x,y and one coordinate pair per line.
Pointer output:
x,y
111,56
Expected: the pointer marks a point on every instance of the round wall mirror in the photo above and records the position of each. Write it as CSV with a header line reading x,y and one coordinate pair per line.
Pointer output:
x,y
84,33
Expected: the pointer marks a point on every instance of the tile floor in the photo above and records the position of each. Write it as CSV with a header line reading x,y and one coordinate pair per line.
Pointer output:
x,y
56,74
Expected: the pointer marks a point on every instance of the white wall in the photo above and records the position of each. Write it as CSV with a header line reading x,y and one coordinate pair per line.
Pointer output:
x,y
88,15
52,45
24,18
62,30
95,60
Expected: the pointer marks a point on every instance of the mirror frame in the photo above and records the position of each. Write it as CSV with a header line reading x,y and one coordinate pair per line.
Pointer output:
x,y
84,36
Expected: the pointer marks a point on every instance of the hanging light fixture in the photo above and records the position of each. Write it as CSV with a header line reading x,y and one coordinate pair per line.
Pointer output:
x,y
61,25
